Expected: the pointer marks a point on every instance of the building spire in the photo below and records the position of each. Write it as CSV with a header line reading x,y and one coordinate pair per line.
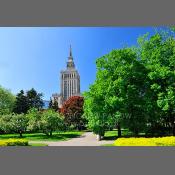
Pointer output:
x,y
70,51
70,63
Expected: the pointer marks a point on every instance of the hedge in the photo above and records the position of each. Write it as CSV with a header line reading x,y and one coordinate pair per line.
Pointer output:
x,y
14,142
159,141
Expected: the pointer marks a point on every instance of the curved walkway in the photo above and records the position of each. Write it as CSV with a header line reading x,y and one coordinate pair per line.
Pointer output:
x,y
87,139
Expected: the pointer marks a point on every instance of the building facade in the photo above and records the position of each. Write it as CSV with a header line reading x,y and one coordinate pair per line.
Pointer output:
x,y
69,82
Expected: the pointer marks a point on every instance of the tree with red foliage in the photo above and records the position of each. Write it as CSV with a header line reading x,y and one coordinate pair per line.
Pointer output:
x,y
72,110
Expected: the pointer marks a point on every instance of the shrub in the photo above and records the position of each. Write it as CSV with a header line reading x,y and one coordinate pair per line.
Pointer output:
x,y
14,142
160,141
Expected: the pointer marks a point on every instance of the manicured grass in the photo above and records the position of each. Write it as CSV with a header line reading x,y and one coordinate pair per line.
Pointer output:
x,y
112,135
38,144
57,136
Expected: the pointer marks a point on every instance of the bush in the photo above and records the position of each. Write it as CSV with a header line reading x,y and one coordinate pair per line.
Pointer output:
x,y
159,141
14,142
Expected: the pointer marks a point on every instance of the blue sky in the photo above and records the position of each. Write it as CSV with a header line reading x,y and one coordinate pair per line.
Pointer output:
x,y
34,56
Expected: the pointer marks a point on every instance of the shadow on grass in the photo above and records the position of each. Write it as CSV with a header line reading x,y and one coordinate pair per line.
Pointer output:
x,y
110,138
113,135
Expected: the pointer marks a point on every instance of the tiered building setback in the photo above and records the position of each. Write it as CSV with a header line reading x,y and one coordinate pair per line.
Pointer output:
x,y
70,82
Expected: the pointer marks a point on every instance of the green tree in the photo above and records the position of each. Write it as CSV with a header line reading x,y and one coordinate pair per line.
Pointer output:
x,y
51,121
19,123
158,55
117,97
7,100
34,99
134,87
5,123
21,103
53,105
94,112
50,104
34,120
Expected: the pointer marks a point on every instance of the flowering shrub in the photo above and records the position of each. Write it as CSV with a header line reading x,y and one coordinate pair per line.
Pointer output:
x,y
14,142
160,141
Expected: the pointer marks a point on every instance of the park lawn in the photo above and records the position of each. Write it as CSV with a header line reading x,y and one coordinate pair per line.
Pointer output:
x,y
38,144
57,136
112,135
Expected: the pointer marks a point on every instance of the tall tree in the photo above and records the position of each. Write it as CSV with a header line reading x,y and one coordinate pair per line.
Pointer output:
x,y
117,93
158,55
7,100
53,105
34,99
21,103
94,111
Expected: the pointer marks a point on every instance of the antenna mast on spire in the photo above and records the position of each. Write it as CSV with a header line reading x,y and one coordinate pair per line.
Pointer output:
x,y
70,63
70,51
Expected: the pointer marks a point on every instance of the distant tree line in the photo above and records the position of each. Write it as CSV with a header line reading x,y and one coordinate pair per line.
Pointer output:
x,y
24,113
28,100
46,121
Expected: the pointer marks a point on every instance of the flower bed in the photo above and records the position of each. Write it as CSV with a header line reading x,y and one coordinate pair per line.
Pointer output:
x,y
160,141
14,142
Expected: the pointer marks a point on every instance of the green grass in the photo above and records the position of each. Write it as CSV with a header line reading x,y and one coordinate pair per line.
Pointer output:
x,y
112,135
38,144
57,136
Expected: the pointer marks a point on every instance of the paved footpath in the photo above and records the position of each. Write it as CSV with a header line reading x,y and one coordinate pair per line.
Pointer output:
x,y
87,139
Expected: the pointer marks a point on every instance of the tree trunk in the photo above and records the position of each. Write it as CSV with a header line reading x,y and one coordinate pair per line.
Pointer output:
x,y
50,133
98,137
173,125
119,130
102,135
20,133
136,132
173,128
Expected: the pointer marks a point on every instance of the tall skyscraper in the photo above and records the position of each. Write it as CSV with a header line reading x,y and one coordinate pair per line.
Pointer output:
x,y
69,82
